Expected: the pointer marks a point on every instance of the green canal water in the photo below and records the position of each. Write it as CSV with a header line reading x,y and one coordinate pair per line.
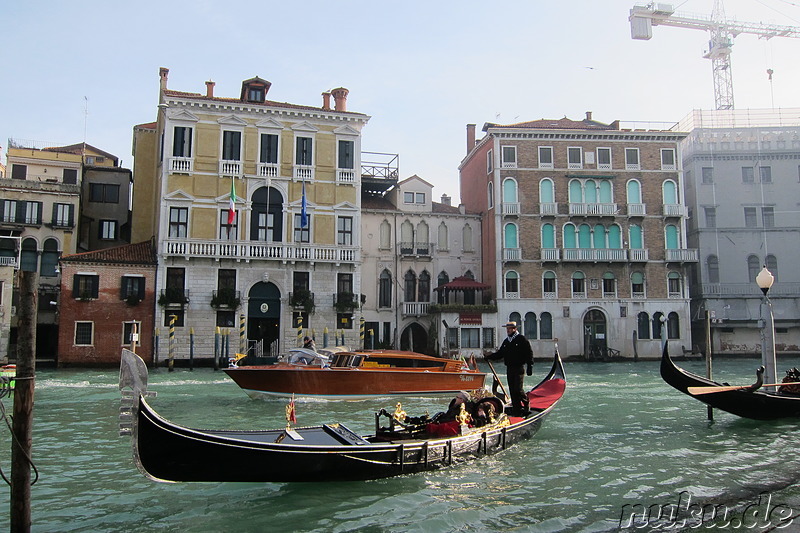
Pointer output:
x,y
620,437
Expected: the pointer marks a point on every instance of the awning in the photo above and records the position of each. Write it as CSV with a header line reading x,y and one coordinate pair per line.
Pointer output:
x,y
463,283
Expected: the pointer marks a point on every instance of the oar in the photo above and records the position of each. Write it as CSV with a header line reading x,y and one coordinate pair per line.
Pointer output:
x,y
491,366
709,390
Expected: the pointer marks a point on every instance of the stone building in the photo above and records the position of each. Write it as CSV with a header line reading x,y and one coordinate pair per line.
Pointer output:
x,y
584,233
293,173
742,189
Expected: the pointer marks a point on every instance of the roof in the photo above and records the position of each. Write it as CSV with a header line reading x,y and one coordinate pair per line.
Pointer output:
x,y
267,103
557,124
79,149
142,253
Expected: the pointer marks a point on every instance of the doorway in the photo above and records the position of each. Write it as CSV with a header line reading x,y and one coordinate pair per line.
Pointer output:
x,y
264,315
595,345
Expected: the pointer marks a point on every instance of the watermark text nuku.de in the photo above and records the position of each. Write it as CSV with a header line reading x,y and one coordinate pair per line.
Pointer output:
x,y
759,514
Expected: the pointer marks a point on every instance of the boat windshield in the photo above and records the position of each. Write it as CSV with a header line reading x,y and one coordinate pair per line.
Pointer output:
x,y
346,360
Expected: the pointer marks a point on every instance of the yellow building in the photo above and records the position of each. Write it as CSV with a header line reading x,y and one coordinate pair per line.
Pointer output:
x,y
290,252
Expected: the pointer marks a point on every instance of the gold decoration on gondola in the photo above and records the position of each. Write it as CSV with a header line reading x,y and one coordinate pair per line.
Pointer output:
x,y
399,414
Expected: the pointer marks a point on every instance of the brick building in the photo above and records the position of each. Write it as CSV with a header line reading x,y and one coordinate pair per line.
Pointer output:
x,y
106,295
583,233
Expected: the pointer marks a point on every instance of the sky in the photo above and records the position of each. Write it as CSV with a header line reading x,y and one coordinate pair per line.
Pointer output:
x,y
88,70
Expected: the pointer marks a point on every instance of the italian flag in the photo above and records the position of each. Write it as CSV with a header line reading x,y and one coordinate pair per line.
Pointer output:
x,y
232,204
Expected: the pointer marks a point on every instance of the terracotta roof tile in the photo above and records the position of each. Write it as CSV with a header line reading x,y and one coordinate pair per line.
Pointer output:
x,y
558,124
142,253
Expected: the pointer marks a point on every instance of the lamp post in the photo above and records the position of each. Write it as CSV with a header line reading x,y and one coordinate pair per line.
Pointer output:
x,y
765,279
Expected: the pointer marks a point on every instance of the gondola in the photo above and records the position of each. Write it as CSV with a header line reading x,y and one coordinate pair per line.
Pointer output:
x,y
746,402
165,451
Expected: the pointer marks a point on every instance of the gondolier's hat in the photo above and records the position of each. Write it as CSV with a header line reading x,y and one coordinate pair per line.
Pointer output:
x,y
511,324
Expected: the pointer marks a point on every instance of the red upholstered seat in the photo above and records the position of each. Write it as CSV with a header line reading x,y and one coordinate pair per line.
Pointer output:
x,y
546,395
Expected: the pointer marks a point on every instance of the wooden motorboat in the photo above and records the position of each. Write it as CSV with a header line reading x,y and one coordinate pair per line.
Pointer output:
x,y
164,451
357,374
745,401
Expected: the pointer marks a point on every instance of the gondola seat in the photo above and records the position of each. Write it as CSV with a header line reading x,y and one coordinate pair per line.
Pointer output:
x,y
546,395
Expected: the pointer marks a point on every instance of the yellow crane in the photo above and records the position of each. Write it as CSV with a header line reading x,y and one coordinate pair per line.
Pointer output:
x,y
722,32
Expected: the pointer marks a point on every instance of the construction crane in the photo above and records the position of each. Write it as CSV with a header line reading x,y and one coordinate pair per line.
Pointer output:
x,y
644,17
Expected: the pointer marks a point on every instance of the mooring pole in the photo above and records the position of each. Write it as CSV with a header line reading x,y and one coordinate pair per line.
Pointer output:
x,y
708,358
216,348
191,349
23,403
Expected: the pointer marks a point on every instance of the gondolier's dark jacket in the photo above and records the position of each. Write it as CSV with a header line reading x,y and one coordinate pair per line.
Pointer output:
x,y
515,353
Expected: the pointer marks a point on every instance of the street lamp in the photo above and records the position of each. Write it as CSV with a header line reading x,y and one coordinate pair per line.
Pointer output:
x,y
765,279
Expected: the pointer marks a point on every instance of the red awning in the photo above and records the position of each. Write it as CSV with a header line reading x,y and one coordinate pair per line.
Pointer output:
x,y
463,283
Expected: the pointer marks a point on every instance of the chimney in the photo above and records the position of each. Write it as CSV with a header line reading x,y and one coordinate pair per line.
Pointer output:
x,y
446,200
163,73
326,100
588,115
340,98
210,89
470,137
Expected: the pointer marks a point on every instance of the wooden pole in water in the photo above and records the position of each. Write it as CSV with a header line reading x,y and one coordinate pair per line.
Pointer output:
x,y
23,403
708,359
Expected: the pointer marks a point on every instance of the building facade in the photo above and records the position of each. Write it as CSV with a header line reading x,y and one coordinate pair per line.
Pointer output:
x,y
293,175
584,234
107,301
412,246
742,185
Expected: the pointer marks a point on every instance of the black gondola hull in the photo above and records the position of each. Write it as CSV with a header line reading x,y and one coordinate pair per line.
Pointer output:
x,y
757,405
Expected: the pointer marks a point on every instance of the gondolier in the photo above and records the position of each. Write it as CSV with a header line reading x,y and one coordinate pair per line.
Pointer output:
x,y
517,355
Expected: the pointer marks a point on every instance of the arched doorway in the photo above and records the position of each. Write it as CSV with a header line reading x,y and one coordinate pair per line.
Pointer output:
x,y
594,335
414,338
264,313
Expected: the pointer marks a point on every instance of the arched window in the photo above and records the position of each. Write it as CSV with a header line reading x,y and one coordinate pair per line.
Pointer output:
x,y
656,323
599,237
466,237
615,237
50,257
424,292
469,274
266,216
578,285
772,265
30,257
584,236
546,191
510,235
548,236
670,192
386,235
753,267
442,241
712,269
512,284
674,288
515,317
673,326
423,239
634,192
509,191
575,192
635,241
606,196
637,285
609,285
490,195
442,279
549,288
570,237
385,289
406,238
671,239
410,293
590,192
546,325
530,326
643,325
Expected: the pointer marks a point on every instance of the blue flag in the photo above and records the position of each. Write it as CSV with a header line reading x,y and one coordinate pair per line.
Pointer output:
x,y
303,214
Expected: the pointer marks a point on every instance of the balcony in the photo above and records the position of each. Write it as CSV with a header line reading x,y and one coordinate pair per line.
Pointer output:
x,y
418,249
345,175
550,254
593,209
303,300
682,256
303,172
415,308
180,165
8,261
256,250
740,290
226,298
512,254
636,210
511,208
230,168
548,208
638,255
674,210
267,170
173,297
345,302
597,255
